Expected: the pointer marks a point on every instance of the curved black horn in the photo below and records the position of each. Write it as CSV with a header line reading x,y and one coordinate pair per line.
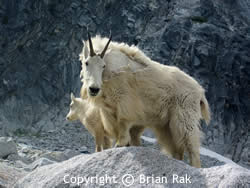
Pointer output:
x,y
106,47
92,52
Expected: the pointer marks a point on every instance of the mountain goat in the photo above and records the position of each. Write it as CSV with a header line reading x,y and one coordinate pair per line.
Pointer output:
x,y
89,116
130,89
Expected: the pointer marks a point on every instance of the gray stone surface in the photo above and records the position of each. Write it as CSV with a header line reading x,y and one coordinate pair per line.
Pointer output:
x,y
38,163
30,158
137,162
7,147
39,67
9,175
60,156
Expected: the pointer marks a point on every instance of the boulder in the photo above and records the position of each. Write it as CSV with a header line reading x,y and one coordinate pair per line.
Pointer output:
x,y
135,167
7,147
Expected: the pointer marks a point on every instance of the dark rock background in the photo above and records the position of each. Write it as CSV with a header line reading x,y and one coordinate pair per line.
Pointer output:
x,y
40,41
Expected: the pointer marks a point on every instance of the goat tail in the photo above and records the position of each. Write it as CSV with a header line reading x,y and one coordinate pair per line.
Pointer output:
x,y
205,110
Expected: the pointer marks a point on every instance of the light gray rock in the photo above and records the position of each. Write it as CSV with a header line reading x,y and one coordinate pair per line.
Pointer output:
x,y
17,157
9,175
115,167
59,156
38,163
7,147
71,153
83,149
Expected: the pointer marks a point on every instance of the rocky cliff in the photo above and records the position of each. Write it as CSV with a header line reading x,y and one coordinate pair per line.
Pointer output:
x,y
41,39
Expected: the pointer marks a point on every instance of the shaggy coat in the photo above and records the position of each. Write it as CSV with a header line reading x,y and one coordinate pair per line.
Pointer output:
x,y
142,92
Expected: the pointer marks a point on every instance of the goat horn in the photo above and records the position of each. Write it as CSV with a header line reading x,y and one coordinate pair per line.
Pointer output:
x,y
92,52
106,47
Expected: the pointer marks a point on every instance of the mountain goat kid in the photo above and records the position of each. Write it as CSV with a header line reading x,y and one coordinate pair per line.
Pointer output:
x,y
130,89
89,116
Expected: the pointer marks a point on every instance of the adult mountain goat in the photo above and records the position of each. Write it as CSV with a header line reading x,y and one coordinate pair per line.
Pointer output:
x,y
130,89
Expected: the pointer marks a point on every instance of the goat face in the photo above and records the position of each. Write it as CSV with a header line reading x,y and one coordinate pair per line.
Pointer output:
x,y
72,115
92,70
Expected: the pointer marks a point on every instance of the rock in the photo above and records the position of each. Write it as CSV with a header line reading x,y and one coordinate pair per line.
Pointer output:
x,y
83,149
16,157
55,156
71,153
7,147
207,162
19,164
60,156
9,175
133,165
38,163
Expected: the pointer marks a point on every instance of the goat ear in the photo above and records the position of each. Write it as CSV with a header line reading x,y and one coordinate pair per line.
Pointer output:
x,y
72,96
85,50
